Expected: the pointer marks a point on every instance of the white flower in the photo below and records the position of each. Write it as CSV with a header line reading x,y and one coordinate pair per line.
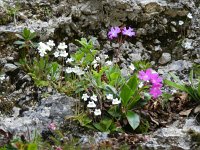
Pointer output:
x,y
2,77
141,85
108,63
51,43
97,58
132,67
63,53
91,104
109,96
42,52
94,97
69,60
189,15
62,46
180,22
116,101
69,70
97,112
85,97
105,56
94,61
42,48
78,71
56,54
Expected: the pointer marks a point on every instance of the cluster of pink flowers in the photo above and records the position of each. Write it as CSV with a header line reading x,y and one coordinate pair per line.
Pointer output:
x,y
114,31
154,79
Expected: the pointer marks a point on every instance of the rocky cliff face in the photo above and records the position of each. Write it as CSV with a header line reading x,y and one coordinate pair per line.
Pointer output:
x,y
167,35
167,30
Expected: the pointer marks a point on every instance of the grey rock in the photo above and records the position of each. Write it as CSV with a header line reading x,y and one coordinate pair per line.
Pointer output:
x,y
9,67
188,44
55,107
173,137
135,57
165,58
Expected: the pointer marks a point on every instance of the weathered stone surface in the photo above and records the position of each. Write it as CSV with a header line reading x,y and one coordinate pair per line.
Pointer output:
x,y
174,137
152,19
54,108
165,58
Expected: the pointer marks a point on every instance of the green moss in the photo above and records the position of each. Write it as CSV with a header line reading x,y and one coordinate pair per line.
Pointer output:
x,y
5,19
6,106
195,138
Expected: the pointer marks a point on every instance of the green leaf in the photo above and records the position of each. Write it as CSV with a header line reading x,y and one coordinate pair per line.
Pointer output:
x,y
134,101
103,125
32,35
175,85
26,33
19,36
110,89
106,123
32,146
19,42
133,83
99,127
133,119
125,94
114,112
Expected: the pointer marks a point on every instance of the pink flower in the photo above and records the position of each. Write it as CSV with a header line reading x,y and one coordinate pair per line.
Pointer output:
x,y
58,148
155,91
52,126
145,75
157,85
128,32
155,81
113,33
154,78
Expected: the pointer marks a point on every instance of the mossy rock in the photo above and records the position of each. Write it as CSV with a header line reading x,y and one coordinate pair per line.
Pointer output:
x,y
5,19
6,106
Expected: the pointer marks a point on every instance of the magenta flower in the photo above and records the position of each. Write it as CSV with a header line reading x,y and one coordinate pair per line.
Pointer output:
x,y
155,81
128,32
157,85
155,92
154,78
145,75
113,33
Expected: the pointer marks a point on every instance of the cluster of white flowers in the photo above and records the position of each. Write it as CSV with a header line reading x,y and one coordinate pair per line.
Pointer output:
x,y
101,60
115,101
96,62
61,50
69,60
91,103
44,47
77,70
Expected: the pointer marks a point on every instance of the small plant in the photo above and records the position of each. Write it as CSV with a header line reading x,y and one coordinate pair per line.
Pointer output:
x,y
193,88
111,100
13,11
120,34
25,43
